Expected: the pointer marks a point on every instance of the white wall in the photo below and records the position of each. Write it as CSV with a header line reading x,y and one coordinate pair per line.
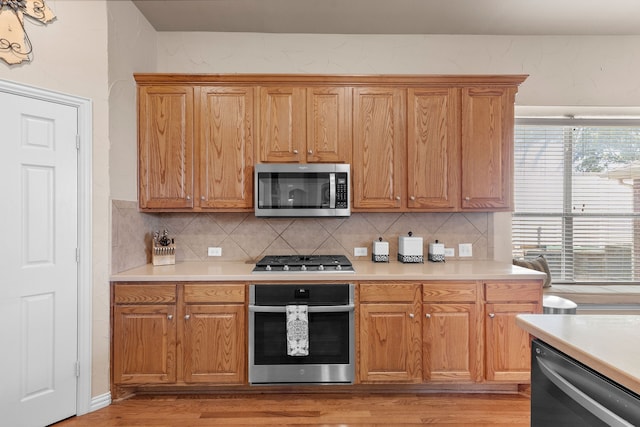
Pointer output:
x,y
69,56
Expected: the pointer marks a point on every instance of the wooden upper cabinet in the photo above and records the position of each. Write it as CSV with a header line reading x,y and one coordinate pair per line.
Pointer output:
x,y
282,124
165,147
433,149
225,121
378,148
305,125
328,125
487,148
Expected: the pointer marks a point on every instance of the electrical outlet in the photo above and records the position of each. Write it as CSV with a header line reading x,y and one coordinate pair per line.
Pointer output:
x,y
451,252
465,249
213,251
359,251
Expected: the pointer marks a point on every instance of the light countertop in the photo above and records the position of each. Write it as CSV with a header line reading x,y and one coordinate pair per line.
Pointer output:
x,y
364,270
609,344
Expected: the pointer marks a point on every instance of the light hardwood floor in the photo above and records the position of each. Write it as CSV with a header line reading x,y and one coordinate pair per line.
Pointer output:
x,y
342,410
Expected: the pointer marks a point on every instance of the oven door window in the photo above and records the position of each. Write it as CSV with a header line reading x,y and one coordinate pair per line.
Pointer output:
x,y
328,339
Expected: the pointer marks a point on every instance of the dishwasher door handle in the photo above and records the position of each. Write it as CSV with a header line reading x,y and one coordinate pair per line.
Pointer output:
x,y
580,397
310,309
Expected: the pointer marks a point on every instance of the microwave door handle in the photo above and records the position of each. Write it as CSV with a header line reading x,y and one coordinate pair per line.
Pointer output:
x,y
310,309
332,190
580,397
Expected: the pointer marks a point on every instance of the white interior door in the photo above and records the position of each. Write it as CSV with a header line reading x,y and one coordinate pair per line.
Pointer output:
x,y
39,285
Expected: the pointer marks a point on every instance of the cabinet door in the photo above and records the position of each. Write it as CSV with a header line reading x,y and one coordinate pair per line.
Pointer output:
x,y
165,147
487,147
214,344
508,348
226,133
433,149
390,343
144,344
378,148
450,342
328,125
282,124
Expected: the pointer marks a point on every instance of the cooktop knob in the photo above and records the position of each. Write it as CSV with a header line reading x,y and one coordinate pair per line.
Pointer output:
x,y
338,267
321,267
268,268
303,267
285,268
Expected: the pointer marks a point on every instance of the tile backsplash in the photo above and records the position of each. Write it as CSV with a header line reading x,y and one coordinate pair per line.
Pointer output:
x,y
243,237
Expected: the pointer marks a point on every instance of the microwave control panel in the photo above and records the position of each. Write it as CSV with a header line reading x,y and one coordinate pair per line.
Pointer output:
x,y
342,198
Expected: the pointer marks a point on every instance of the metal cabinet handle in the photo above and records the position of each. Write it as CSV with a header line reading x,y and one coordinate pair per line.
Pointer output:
x,y
187,316
467,198
310,151
412,197
492,315
428,316
411,315
170,316
295,151
188,197
397,197
202,197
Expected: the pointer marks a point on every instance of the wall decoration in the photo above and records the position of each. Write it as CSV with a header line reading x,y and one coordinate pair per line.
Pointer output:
x,y
15,46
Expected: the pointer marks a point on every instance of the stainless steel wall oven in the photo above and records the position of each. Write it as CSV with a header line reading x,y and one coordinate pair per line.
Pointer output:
x,y
331,346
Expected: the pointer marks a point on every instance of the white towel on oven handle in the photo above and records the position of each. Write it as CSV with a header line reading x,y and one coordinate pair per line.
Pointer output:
x,y
297,330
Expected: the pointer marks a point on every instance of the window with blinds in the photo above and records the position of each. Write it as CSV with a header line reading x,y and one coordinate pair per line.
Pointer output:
x,y
577,198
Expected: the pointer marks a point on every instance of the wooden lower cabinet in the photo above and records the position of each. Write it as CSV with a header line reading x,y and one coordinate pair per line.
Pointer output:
x,y
214,335
390,337
452,335
178,334
508,348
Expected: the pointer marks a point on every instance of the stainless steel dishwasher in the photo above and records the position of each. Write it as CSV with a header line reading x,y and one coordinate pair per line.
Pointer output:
x,y
566,393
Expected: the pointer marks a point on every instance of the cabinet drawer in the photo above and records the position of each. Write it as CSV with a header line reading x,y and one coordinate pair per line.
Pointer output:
x,y
449,292
510,291
208,293
144,294
387,292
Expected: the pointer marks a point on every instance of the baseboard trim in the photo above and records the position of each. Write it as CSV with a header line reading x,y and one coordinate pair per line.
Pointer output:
x,y
99,402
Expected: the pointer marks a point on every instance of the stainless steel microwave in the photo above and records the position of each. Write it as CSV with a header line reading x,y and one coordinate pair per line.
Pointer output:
x,y
302,190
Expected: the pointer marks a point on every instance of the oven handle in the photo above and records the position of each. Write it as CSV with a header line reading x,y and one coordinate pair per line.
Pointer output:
x,y
310,309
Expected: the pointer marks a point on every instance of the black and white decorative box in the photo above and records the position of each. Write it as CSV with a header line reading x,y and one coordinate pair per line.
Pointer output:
x,y
436,252
380,251
410,249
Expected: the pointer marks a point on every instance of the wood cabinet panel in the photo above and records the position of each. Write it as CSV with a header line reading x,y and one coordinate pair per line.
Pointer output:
x,y
387,292
144,294
508,347
144,340
379,125
214,344
433,149
214,293
487,147
165,149
390,343
527,291
282,124
451,343
449,292
328,125
225,122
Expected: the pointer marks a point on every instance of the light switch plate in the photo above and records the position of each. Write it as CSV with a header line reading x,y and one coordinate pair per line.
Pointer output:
x,y
213,251
465,250
449,252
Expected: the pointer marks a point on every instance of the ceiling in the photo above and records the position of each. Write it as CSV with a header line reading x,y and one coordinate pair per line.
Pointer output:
x,y
481,17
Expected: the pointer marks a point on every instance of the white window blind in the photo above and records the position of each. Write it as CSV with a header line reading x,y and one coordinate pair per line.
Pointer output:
x,y
577,198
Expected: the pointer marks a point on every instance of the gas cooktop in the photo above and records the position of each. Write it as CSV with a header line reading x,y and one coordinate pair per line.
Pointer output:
x,y
304,264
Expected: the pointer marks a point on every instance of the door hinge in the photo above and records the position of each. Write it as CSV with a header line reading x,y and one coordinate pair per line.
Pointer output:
x,y
77,142
77,368
77,255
